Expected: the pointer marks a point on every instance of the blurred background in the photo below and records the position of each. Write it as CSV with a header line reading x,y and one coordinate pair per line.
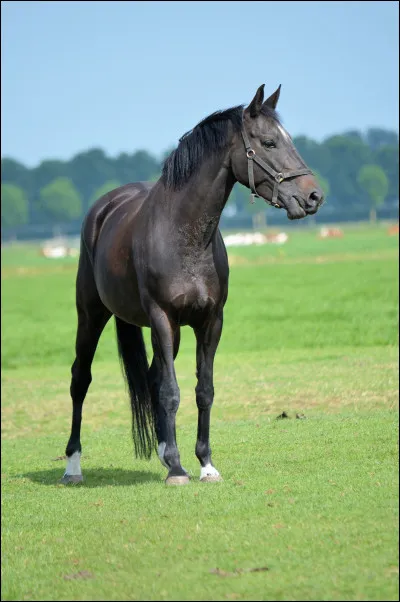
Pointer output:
x,y
97,94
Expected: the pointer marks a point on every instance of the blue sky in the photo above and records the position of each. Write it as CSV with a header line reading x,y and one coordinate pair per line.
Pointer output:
x,y
129,75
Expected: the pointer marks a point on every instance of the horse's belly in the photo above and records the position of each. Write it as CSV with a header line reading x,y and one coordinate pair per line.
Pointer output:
x,y
121,297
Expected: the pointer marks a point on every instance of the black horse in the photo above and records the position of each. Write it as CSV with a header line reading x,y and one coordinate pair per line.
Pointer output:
x,y
153,255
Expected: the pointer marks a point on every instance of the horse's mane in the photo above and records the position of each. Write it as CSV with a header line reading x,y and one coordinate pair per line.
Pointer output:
x,y
208,137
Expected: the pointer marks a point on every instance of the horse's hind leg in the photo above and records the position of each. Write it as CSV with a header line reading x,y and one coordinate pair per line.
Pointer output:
x,y
92,318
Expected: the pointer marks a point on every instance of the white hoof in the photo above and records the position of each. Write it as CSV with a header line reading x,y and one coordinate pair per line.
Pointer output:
x,y
209,474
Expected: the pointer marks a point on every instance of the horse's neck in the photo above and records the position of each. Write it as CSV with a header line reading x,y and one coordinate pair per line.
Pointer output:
x,y
198,206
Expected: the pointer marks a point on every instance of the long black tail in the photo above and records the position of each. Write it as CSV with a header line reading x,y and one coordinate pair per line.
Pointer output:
x,y
135,367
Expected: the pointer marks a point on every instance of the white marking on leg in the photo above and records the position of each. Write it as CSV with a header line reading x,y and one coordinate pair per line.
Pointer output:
x,y
208,471
74,465
161,451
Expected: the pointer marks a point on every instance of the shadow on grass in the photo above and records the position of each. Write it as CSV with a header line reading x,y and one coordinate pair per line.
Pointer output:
x,y
97,478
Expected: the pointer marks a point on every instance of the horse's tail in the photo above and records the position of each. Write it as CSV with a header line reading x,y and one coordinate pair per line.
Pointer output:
x,y
135,367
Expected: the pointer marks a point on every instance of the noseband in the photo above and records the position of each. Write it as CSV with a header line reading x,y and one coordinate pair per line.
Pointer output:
x,y
277,176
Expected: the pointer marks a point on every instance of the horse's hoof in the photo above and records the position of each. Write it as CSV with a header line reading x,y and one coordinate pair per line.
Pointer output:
x,y
211,478
71,479
179,480
209,474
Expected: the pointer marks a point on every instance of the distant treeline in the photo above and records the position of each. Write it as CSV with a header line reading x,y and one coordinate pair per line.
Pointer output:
x,y
359,172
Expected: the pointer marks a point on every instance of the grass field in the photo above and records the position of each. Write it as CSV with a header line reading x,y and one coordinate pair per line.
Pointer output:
x,y
307,509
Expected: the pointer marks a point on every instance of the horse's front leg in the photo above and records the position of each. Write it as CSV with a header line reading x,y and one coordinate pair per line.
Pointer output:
x,y
154,384
163,333
208,337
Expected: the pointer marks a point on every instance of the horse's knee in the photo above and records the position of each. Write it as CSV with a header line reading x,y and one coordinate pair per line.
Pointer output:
x,y
204,397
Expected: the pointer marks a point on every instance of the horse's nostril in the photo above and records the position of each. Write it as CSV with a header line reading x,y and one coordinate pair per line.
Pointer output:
x,y
314,198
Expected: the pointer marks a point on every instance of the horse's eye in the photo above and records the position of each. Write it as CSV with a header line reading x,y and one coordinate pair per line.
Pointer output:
x,y
269,144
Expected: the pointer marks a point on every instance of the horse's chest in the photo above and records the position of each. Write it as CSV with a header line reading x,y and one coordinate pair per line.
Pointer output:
x,y
195,287
196,266
193,296
189,279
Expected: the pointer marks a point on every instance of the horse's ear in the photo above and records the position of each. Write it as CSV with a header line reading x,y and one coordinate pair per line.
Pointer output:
x,y
272,101
254,107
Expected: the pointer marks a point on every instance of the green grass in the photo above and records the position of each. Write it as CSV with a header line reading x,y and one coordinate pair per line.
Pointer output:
x,y
310,327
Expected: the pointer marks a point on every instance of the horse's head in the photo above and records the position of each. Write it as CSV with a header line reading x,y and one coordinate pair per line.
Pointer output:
x,y
265,159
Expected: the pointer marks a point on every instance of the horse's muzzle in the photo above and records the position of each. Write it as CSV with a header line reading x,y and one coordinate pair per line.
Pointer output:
x,y
295,209
298,207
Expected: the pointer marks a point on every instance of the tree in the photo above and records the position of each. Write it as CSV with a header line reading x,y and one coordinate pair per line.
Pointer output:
x,y
140,166
145,166
60,200
314,154
43,174
377,137
347,156
387,157
373,180
354,134
14,206
46,172
106,187
89,170
14,172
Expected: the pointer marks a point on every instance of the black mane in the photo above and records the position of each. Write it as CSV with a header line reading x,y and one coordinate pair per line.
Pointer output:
x,y
208,136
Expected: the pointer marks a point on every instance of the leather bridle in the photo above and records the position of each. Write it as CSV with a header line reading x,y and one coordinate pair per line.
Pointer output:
x,y
277,176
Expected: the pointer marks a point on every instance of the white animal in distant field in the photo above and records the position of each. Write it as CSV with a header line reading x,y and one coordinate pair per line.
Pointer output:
x,y
255,238
54,250
330,233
